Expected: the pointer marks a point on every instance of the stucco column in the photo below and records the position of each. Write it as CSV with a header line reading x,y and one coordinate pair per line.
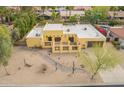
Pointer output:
x,y
61,47
70,48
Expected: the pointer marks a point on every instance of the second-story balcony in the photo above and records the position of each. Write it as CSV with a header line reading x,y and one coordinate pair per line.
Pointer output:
x,y
65,48
61,43
73,43
48,43
57,43
65,43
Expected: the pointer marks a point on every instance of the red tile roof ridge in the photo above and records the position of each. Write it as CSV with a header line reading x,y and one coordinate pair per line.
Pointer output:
x,y
118,31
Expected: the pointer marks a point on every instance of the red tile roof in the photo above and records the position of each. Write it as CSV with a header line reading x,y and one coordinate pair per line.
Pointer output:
x,y
118,31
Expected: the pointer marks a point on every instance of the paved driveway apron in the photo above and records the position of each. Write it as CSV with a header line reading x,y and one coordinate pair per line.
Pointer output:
x,y
115,75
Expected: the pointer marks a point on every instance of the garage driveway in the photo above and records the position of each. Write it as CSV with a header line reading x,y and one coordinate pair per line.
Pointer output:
x,y
115,75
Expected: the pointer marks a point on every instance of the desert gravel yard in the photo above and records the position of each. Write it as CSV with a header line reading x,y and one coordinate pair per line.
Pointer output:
x,y
40,67
37,67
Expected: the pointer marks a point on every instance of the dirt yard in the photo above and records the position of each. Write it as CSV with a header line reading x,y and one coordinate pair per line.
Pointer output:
x,y
40,67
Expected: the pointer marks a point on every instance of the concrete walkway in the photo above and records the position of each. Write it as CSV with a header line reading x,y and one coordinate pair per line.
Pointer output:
x,y
115,75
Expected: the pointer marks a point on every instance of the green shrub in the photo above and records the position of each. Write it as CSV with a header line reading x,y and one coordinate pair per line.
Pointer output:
x,y
113,22
73,19
122,47
117,47
115,43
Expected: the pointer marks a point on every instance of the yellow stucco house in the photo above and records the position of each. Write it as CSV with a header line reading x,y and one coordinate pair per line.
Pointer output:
x,y
64,38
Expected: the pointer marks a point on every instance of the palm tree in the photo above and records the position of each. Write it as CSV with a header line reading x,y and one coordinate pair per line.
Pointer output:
x,y
54,13
69,8
55,16
2,14
43,8
6,14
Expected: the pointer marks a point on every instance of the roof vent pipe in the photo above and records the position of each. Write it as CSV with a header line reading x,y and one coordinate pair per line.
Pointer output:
x,y
68,30
37,34
85,28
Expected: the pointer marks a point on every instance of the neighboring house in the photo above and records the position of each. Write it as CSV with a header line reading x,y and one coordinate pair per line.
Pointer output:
x,y
65,38
117,33
66,13
116,14
74,12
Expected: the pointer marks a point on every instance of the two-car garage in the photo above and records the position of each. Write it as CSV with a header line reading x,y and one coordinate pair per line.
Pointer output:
x,y
94,43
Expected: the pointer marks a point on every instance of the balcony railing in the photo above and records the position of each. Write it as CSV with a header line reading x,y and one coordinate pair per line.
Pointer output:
x,y
73,43
48,43
74,47
65,43
57,43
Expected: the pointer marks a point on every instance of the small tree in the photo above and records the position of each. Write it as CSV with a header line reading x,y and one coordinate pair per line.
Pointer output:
x,y
114,8
113,22
15,35
5,46
98,13
101,59
24,22
121,8
74,18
